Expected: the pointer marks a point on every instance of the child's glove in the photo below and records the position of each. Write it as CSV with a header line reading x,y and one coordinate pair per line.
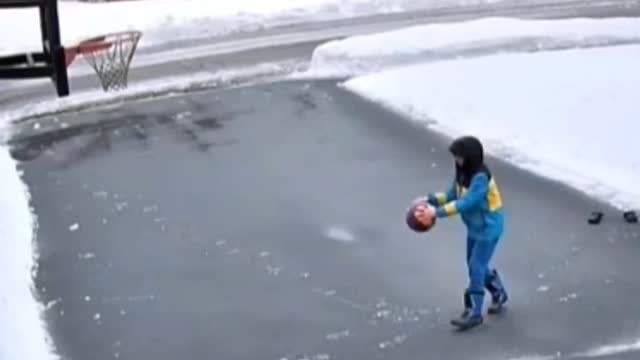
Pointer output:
x,y
432,200
429,199
419,200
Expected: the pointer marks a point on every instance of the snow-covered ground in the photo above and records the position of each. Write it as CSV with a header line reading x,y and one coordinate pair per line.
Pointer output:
x,y
161,87
22,331
359,55
170,20
569,115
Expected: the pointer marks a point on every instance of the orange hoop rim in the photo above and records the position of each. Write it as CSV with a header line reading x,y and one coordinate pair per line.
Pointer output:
x,y
99,43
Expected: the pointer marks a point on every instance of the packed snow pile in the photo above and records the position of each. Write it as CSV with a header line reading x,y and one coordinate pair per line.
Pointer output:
x,y
569,115
164,21
22,332
359,55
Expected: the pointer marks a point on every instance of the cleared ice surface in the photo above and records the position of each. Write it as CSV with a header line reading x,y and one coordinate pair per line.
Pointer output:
x,y
340,234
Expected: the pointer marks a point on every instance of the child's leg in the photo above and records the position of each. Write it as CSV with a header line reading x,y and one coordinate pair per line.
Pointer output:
x,y
481,253
478,271
499,295
467,295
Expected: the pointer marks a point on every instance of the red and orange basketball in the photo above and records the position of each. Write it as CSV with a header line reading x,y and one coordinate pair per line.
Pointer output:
x,y
418,219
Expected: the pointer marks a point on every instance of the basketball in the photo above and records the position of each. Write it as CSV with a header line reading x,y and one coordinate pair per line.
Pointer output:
x,y
417,220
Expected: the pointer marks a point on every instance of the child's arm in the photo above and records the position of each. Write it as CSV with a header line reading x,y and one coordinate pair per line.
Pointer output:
x,y
441,198
476,193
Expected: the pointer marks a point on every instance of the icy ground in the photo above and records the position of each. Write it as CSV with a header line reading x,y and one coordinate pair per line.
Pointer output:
x,y
569,115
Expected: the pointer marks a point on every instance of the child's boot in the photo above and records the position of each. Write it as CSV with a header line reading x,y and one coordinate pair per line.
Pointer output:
x,y
472,318
468,305
499,295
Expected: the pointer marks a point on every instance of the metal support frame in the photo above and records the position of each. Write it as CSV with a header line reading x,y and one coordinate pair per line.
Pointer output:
x,y
51,61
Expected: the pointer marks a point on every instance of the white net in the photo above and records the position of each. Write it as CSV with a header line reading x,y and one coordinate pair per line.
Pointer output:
x,y
110,57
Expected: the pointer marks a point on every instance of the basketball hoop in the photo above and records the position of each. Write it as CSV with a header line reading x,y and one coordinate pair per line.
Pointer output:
x,y
110,56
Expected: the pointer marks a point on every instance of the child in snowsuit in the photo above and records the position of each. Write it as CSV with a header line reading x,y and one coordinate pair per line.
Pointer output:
x,y
474,195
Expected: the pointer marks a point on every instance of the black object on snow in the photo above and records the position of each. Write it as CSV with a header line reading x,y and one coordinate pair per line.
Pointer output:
x,y
595,218
630,216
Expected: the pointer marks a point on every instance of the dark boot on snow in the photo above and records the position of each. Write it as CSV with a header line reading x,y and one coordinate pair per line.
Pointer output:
x,y
472,315
468,322
499,295
468,305
497,302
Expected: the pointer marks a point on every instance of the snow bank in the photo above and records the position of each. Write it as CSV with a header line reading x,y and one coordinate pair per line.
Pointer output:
x,y
22,333
568,115
369,53
144,89
168,20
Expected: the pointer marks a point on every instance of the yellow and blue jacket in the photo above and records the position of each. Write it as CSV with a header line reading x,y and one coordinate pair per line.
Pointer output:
x,y
479,206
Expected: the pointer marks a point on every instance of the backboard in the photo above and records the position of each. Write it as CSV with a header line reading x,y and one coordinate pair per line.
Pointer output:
x,y
50,61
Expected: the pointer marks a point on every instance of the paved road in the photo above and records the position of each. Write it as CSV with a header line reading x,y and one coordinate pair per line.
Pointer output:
x,y
297,41
267,223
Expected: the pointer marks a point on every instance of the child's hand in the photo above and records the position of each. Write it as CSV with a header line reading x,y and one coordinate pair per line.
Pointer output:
x,y
420,200
430,211
425,214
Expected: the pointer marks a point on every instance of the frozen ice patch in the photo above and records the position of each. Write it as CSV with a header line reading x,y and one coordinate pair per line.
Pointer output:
x,y
273,270
103,195
151,208
129,298
340,234
543,288
568,298
536,357
338,335
86,256
604,351
52,303
121,205
397,340
609,350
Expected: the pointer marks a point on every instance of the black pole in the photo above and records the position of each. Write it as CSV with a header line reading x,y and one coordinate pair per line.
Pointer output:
x,y
57,51
44,33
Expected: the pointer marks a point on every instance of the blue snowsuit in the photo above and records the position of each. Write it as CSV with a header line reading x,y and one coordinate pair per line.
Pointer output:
x,y
479,204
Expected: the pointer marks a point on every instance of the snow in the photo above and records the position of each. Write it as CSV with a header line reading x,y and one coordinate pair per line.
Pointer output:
x,y
358,55
609,350
604,351
143,89
567,115
164,21
22,331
